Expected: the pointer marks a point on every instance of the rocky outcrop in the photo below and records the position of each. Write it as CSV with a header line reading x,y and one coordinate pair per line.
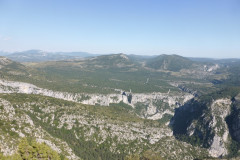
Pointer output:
x,y
4,61
220,109
204,124
211,68
173,99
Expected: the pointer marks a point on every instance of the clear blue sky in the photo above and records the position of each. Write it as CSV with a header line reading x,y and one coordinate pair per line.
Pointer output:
x,y
196,28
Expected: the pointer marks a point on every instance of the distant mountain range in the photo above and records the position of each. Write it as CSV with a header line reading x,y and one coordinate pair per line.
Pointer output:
x,y
41,56
163,61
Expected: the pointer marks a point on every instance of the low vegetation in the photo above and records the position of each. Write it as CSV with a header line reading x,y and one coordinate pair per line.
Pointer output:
x,y
30,149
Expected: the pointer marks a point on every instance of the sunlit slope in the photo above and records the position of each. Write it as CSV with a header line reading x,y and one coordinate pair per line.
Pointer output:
x,y
86,131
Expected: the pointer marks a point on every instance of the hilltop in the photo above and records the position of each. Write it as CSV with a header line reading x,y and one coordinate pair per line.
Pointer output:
x,y
169,62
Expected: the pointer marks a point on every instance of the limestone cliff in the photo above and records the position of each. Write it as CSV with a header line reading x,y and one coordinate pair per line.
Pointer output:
x,y
205,123
153,102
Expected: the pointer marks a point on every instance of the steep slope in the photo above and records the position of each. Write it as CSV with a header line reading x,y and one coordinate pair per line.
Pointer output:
x,y
205,122
233,119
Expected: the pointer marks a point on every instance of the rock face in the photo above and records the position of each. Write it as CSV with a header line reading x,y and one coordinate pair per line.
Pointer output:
x,y
220,109
153,102
204,124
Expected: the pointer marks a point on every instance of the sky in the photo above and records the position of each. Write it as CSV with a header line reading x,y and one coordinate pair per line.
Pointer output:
x,y
191,28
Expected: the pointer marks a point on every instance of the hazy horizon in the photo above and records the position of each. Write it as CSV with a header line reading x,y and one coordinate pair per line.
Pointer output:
x,y
208,29
99,54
